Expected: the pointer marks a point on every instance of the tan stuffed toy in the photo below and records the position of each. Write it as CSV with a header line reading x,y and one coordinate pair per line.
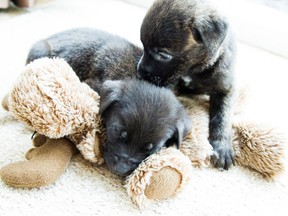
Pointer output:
x,y
49,98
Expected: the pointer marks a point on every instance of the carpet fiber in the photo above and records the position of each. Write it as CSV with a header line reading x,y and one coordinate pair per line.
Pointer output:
x,y
88,190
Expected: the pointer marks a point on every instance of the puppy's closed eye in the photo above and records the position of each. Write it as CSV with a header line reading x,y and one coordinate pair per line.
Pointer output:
x,y
123,135
197,35
149,147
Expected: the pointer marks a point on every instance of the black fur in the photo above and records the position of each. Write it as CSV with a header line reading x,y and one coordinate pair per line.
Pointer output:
x,y
189,46
94,55
139,118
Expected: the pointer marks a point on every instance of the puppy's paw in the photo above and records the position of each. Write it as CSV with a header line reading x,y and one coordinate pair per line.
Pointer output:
x,y
222,157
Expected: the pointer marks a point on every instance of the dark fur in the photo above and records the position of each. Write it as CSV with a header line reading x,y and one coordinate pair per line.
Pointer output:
x,y
139,118
137,115
188,46
94,55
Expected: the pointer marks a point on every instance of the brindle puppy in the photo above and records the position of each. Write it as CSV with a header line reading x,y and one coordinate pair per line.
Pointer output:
x,y
189,46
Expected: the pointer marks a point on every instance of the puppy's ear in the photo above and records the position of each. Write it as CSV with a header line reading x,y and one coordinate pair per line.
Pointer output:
x,y
110,93
182,128
211,30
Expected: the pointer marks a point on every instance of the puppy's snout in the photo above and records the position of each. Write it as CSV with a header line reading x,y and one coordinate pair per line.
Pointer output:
x,y
116,158
119,165
140,70
143,72
122,169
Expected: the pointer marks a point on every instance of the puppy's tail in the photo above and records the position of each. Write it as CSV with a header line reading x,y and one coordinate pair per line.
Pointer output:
x,y
40,49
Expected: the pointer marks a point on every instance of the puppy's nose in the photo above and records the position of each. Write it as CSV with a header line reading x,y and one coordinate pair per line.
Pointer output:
x,y
116,158
140,72
143,72
122,169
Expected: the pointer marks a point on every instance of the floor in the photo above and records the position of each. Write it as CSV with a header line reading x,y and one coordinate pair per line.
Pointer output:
x,y
280,5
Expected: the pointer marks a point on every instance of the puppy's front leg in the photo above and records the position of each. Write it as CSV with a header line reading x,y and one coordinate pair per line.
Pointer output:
x,y
220,127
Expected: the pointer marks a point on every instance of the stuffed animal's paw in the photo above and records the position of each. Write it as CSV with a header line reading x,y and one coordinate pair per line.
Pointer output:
x,y
44,166
163,183
160,176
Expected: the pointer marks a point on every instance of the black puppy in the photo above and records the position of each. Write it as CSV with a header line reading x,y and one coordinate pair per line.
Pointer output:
x,y
94,55
140,118
188,46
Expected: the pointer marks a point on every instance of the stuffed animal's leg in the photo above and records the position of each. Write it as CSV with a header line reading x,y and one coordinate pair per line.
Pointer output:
x,y
44,166
255,147
259,148
160,176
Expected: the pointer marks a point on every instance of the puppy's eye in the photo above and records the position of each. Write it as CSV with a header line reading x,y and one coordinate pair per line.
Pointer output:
x,y
149,146
123,135
161,56
197,35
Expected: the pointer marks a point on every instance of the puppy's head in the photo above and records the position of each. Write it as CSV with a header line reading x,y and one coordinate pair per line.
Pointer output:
x,y
178,35
139,118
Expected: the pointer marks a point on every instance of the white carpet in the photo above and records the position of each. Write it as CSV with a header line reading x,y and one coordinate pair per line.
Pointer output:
x,y
87,190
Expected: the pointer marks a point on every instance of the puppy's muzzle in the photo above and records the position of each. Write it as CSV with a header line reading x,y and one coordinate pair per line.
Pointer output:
x,y
142,71
119,164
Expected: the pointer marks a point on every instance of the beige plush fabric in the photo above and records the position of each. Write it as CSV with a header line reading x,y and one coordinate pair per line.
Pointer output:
x,y
262,149
259,148
49,97
44,166
174,170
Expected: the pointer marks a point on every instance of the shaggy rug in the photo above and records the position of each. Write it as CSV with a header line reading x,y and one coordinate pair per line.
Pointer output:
x,y
88,190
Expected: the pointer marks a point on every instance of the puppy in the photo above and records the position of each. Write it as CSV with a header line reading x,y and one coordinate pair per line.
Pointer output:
x,y
140,118
188,46
94,55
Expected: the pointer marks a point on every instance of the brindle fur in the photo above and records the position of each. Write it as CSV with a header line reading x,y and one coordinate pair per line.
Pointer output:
x,y
202,47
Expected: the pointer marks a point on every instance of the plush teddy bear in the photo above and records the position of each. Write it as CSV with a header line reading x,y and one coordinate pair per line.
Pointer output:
x,y
50,99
